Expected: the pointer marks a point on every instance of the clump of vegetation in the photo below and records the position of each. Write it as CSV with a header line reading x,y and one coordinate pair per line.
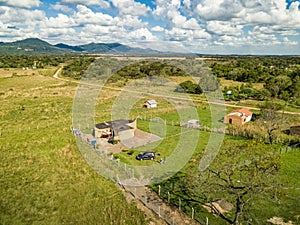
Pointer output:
x,y
76,67
189,87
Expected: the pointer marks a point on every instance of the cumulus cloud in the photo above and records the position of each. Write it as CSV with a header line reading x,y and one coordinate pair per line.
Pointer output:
x,y
142,34
130,22
85,16
60,21
181,23
224,28
157,29
21,17
130,7
20,4
179,34
218,9
60,7
101,3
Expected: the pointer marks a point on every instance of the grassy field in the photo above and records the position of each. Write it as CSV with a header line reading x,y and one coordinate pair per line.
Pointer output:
x,y
43,177
280,200
45,180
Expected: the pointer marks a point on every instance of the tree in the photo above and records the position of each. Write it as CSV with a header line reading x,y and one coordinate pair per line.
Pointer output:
x,y
271,118
189,87
237,175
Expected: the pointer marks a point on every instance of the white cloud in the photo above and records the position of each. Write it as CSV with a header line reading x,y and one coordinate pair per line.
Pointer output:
x,y
60,7
181,24
20,4
177,19
142,34
51,33
218,9
85,16
191,24
61,21
130,22
157,29
201,34
223,27
102,3
130,7
21,17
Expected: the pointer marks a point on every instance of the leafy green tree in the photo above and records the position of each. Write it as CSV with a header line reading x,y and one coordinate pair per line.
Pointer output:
x,y
238,174
271,118
189,87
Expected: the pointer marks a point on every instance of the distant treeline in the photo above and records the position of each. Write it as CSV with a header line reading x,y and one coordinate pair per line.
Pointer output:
x,y
280,76
31,61
253,69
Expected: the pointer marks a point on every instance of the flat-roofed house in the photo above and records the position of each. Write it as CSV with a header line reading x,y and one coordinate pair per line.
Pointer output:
x,y
118,129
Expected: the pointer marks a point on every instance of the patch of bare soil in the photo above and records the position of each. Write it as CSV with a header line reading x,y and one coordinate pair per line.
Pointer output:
x,y
279,221
219,206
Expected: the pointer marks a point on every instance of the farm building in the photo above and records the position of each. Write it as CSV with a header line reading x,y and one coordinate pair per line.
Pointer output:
x,y
238,117
150,104
119,129
295,129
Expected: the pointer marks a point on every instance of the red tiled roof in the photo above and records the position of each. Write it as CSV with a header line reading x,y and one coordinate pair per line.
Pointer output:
x,y
243,111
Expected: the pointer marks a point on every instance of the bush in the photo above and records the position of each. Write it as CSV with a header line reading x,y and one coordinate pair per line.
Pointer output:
x,y
189,87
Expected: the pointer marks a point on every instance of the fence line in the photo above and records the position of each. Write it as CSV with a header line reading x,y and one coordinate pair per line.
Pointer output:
x,y
163,204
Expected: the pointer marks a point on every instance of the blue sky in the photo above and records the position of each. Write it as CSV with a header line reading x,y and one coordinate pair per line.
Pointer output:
x,y
196,26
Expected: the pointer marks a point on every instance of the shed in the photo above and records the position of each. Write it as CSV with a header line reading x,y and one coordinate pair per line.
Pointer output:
x,y
150,104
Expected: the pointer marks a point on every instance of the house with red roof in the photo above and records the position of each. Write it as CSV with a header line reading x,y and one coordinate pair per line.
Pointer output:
x,y
238,117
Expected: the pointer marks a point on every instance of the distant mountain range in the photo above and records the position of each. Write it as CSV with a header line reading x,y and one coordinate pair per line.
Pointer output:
x,y
38,46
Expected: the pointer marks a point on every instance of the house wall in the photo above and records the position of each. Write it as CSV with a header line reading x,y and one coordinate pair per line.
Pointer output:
x,y
235,119
146,105
99,132
295,130
248,118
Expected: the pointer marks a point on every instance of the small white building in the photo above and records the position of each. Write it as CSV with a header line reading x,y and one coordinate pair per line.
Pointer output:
x,y
150,104
191,124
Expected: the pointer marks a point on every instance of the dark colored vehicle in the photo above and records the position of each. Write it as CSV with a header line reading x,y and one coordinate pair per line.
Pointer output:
x,y
145,155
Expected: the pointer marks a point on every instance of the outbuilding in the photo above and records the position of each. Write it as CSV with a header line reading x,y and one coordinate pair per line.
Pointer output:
x,y
150,104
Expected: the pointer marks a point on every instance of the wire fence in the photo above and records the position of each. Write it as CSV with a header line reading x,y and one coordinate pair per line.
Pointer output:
x,y
166,210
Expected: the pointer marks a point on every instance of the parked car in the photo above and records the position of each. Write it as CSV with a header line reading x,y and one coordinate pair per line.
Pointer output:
x,y
146,155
